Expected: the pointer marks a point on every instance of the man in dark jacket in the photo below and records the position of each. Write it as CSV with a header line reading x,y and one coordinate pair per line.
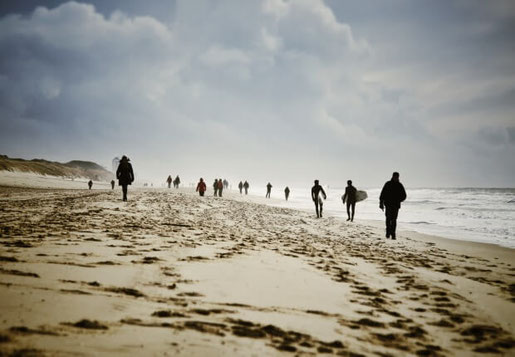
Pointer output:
x,y
268,190
125,175
112,184
392,195
350,198
246,187
240,186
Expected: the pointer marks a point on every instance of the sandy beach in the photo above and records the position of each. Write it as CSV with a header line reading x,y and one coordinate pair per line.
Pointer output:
x,y
171,273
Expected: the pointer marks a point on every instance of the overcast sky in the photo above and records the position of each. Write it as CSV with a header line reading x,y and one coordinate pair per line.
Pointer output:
x,y
269,90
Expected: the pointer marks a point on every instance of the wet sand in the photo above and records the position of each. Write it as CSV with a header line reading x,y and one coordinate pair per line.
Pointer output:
x,y
171,273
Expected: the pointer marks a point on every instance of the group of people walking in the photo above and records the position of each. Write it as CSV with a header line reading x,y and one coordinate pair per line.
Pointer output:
x,y
392,193
245,186
176,182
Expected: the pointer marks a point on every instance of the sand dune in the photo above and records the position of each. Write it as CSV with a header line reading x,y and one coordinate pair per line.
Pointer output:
x,y
171,273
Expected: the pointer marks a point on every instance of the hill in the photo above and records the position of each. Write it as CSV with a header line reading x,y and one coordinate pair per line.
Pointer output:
x,y
72,169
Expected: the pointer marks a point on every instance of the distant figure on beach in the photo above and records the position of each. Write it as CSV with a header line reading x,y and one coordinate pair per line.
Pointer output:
x,y
176,182
220,187
226,184
268,190
286,193
112,184
169,181
240,186
125,175
215,187
246,187
349,197
392,194
201,187
315,195
90,184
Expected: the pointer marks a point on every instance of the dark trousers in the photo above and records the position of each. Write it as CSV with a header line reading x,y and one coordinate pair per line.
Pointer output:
x,y
220,192
124,190
246,190
391,213
201,193
267,194
318,208
351,207
216,192
286,195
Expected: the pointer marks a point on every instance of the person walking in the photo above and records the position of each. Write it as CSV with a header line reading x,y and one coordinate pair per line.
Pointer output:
x,y
268,190
246,187
286,193
125,175
215,187
220,187
316,190
392,194
112,184
349,197
90,184
240,186
177,182
201,187
169,181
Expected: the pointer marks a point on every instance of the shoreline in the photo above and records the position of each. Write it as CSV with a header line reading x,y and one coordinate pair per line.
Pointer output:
x,y
35,181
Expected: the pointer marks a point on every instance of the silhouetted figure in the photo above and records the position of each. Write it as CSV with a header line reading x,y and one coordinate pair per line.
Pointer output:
x,y
392,194
201,187
90,184
169,181
246,187
268,190
176,182
240,186
215,187
112,184
226,184
125,175
220,187
315,195
349,197
286,193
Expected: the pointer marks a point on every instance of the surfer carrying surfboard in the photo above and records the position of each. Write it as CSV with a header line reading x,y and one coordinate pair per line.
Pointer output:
x,y
315,195
349,197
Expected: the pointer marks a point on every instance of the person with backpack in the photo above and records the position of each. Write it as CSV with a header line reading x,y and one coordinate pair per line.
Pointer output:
x,y
201,187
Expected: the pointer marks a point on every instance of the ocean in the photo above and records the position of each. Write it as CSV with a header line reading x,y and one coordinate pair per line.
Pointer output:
x,y
474,214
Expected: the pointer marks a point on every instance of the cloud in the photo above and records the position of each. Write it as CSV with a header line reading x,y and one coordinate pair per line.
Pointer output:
x,y
256,88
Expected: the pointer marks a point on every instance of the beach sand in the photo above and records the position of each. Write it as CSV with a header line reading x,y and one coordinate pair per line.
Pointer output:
x,y
171,273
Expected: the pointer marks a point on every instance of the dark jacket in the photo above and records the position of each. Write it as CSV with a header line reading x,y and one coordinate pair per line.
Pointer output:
x,y
392,194
124,174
